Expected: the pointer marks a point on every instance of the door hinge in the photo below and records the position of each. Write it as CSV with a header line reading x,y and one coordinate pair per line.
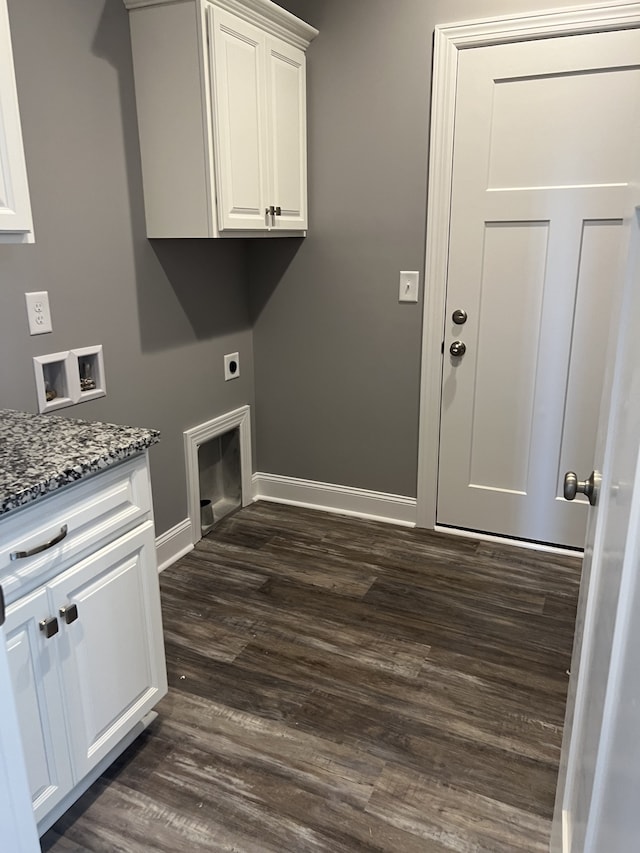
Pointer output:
x,y
2,607
442,348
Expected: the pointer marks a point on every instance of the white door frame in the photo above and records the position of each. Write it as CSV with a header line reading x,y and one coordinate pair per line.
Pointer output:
x,y
448,40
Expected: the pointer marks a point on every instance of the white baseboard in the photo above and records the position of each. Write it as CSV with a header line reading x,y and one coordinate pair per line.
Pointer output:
x,y
377,506
173,544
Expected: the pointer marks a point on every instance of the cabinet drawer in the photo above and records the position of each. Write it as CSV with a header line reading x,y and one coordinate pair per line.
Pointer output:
x,y
94,512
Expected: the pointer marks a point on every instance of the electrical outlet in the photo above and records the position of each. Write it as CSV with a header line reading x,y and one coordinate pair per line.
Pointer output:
x,y
231,366
38,312
409,286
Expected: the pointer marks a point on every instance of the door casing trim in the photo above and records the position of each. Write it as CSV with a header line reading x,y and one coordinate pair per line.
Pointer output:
x,y
449,39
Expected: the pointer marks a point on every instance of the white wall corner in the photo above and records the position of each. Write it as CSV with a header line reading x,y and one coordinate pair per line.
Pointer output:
x,y
344,500
173,544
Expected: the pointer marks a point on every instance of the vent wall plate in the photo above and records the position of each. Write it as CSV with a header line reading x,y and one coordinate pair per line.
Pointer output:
x,y
90,369
231,366
54,381
70,377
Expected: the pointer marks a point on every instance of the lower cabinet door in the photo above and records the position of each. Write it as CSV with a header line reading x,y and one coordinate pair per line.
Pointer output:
x,y
34,676
110,646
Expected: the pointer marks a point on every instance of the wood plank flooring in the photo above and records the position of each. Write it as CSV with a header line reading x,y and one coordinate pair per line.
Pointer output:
x,y
340,685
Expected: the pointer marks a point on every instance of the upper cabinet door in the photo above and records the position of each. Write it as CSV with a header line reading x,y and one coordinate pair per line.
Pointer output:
x,y
15,208
287,133
238,90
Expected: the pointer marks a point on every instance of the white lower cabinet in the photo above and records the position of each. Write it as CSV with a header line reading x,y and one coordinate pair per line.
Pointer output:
x,y
110,654
34,675
86,658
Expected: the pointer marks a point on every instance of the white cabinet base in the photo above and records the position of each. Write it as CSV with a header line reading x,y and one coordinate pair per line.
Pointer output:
x,y
84,785
83,629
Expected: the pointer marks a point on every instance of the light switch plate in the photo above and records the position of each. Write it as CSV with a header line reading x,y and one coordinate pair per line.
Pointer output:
x,y
38,312
409,286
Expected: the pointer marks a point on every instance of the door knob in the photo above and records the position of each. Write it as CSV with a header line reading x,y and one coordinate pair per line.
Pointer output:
x,y
589,487
69,613
457,349
459,317
49,627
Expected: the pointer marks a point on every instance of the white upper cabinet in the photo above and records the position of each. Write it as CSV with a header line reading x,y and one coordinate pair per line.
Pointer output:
x,y
16,225
221,100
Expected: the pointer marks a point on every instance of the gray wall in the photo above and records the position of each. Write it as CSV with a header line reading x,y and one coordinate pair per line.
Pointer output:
x,y
337,357
165,312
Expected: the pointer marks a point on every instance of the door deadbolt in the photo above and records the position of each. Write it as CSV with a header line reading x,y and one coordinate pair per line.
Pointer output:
x,y
459,317
589,487
457,349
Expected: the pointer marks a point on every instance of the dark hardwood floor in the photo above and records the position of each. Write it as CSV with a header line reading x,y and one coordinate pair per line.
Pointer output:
x,y
342,685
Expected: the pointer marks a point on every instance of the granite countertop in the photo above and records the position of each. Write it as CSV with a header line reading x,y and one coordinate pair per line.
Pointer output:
x,y
42,453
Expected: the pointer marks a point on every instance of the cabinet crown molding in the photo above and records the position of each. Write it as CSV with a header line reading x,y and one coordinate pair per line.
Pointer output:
x,y
263,13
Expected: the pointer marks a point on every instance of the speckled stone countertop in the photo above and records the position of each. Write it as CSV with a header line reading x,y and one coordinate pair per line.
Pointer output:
x,y
42,453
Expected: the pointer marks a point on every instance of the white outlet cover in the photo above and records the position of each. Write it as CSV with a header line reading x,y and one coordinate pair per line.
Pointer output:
x,y
231,366
408,291
38,312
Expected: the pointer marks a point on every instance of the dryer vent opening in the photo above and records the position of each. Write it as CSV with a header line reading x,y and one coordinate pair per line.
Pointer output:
x,y
218,465
219,478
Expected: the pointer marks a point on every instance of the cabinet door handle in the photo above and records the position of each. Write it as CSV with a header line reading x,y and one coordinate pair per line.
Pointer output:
x,y
69,613
49,627
2,608
278,211
21,555
270,211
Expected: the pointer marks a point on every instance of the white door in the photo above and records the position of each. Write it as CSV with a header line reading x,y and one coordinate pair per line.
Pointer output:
x,y
111,650
286,77
17,822
599,782
36,690
239,96
546,141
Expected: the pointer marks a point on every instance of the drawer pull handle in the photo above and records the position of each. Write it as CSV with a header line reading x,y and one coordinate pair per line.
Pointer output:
x,y
49,627
21,555
69,613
